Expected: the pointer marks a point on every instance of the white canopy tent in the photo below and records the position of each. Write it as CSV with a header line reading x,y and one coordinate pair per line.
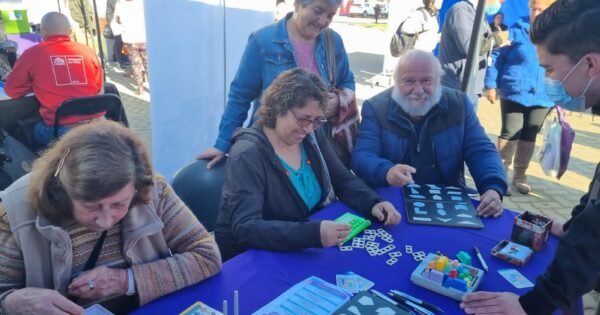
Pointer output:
x,y
194,48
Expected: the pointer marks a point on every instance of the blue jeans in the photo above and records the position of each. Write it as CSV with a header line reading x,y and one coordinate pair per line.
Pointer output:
x,y
43,134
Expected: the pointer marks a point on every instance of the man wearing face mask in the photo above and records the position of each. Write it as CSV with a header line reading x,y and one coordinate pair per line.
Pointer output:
x,y
455,40
567,39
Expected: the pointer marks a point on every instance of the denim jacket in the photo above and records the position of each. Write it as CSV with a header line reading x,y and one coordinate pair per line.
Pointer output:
x,y
268,53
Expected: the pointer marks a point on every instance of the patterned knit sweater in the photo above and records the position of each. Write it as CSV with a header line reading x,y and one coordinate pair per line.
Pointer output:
x,y
195,253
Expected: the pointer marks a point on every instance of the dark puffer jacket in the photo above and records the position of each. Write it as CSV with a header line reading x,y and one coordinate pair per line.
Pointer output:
x,y
260,208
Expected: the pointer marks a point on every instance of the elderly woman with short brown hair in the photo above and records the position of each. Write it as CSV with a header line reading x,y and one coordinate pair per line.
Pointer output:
x,y
283,169
93,224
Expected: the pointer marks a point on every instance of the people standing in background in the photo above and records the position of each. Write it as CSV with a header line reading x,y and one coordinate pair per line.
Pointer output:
x,y
377,12
515,76
115,50
425,22
497,24
299,40
82,12
129,16
499,29
455,40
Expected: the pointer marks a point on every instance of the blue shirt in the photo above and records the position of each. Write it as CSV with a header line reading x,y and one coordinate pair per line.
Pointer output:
x,y
304,180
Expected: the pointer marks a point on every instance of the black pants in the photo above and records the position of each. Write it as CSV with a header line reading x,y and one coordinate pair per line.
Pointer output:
x,y
521,122
117,47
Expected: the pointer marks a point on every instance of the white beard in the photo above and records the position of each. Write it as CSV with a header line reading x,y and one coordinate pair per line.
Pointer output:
x,y
417,110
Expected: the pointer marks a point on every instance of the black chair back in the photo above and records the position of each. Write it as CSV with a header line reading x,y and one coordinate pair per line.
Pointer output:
x,y
109,103
200,190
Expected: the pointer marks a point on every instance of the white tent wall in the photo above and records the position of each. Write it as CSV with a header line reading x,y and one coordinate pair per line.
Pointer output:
x,y
194,48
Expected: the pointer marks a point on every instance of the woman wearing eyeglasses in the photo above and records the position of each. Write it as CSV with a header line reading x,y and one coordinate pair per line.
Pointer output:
x,y
92,223
282,170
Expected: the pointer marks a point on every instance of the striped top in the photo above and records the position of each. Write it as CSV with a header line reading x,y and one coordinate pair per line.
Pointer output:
x,y
195,254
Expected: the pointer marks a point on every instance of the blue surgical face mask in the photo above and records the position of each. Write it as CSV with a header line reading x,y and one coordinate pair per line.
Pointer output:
x,y
493,8
557,93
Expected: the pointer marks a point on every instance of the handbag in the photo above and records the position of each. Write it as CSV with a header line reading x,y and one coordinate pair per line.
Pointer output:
x,y
558,142
402,42
567,137
342,128
108,33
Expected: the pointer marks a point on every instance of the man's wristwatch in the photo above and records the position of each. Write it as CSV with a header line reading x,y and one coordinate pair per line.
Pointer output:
x,y
130,283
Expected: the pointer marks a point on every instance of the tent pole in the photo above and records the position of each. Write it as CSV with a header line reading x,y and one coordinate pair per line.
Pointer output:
x,y
474,47
98,34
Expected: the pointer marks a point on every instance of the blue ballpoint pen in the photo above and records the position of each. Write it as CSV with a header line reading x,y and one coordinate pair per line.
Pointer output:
x,y
478,253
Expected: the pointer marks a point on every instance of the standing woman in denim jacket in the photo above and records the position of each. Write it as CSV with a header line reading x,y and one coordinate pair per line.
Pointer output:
x,y
298,40
516,77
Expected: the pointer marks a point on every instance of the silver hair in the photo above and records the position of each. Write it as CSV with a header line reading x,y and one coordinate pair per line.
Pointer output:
x,y
335,3
415,55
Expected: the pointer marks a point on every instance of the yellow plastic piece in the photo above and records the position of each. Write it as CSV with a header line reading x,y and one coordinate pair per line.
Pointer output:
x,y
441,263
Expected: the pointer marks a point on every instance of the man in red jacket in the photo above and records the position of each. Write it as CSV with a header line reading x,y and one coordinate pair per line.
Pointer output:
x,y
55,70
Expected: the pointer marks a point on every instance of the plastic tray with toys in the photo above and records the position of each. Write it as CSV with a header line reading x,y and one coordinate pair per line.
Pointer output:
x,y
448,277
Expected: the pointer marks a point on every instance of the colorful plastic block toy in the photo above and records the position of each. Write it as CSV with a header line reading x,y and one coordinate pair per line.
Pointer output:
x,y
464,257
449,278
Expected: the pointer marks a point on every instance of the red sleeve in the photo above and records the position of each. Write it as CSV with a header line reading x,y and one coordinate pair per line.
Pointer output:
x,y
19,82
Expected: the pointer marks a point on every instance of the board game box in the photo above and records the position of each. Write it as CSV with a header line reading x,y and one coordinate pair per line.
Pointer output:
x,y
438,205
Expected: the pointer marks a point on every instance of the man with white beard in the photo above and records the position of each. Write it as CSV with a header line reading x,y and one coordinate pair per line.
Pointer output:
x,y
419,131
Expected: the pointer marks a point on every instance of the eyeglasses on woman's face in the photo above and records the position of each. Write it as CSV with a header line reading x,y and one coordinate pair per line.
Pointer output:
x,y
304,122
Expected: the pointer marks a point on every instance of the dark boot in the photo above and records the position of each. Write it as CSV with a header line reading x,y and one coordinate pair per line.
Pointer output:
x,y
506,148
522,158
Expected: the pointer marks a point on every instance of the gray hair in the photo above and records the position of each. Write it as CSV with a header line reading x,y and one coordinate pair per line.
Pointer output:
x,y
335,3
416,55
55,23
90,162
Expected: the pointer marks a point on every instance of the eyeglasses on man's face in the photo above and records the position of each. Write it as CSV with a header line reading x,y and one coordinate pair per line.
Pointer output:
x,y
305,122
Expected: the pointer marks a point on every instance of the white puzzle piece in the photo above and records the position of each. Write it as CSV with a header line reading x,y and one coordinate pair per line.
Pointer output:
x,y
418,256
395,254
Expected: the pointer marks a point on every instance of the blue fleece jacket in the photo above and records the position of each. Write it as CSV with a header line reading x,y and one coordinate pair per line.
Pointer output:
x,y
448,136
515,71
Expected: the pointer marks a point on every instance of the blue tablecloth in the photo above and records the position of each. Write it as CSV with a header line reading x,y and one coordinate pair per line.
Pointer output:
x,y
260,276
